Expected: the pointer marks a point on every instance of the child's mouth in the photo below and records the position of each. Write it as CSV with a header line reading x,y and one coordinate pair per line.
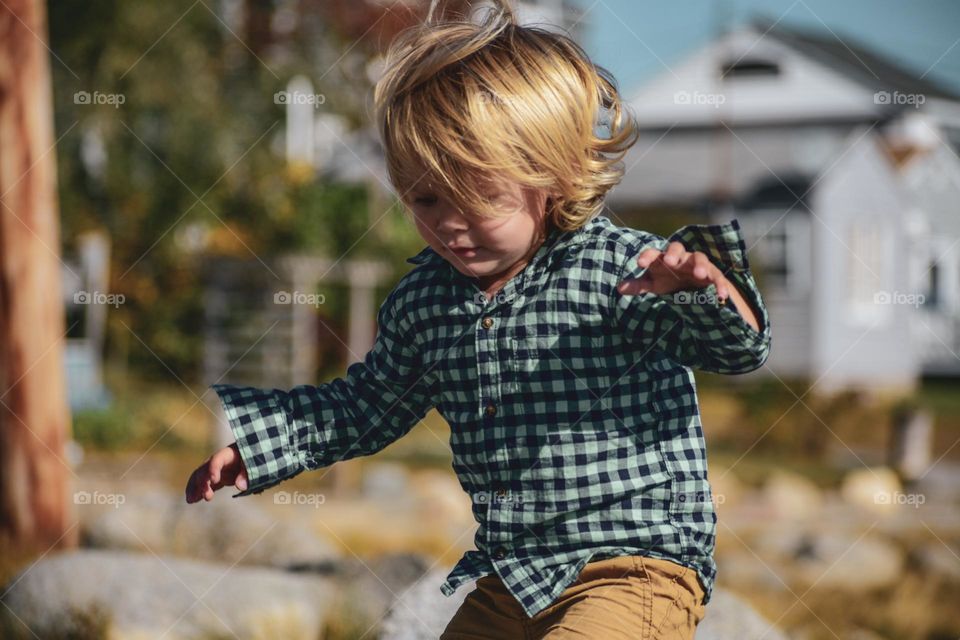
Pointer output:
x,y
466,252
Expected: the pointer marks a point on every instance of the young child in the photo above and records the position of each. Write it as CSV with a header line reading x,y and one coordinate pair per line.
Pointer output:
x,y
557,345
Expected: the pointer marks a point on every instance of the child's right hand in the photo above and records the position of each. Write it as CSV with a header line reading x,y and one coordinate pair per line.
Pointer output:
x,y
223,468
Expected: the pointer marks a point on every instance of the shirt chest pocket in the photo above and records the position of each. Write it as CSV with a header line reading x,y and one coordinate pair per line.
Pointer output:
x,y
563,372
534,355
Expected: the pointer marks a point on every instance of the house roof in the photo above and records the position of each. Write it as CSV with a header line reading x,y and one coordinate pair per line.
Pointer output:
x,y
769,130
857,61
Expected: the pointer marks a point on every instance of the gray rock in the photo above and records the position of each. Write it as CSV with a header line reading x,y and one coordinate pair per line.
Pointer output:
x,y
368,588
791,496
941,483
729,617
839,559
223,530
423,612
743,569
781,542
872,489
848,561
140,520
146,596
936,558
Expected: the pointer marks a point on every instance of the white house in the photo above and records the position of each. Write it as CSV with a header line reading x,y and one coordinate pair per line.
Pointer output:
x,y
842,169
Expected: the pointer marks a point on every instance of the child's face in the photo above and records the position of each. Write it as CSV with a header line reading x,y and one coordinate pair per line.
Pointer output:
x,y
497,246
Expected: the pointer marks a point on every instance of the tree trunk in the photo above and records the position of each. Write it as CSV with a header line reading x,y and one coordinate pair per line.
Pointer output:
x,y
34,417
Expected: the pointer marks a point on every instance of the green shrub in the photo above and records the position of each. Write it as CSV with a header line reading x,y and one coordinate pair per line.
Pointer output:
x,y
108,428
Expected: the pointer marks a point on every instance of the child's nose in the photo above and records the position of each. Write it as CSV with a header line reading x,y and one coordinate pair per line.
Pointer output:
x,y
451,220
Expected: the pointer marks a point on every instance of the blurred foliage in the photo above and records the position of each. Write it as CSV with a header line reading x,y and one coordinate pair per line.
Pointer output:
x,y
814,420
107,428
773,416
93,623
195,150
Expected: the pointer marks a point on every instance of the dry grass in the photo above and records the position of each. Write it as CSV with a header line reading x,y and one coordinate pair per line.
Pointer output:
x,y
916,608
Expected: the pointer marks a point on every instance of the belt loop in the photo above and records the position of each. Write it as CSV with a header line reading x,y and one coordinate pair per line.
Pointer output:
x,y
640,567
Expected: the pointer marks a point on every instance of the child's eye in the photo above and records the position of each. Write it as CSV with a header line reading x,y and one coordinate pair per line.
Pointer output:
x,y
425,201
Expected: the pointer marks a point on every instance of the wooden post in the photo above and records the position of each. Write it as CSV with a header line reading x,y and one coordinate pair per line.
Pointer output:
x,y
911,445
34,415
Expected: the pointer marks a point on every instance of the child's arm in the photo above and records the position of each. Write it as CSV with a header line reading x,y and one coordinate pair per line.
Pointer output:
x,y
688,324
743,308
281,433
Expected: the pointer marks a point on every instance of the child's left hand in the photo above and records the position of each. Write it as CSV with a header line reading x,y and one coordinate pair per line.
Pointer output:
x,y
676,269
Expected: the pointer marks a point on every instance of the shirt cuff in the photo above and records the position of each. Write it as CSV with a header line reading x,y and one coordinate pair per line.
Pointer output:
x,y
263,433
717,326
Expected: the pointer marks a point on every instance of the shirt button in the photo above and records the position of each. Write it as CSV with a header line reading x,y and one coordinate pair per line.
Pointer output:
x,y
487,323
491,409
501,492
499,553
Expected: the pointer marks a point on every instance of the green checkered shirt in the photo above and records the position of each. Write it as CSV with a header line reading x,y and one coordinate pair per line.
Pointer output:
x,y
574,421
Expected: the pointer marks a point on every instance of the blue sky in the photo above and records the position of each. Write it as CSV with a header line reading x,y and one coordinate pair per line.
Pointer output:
x,y
628,36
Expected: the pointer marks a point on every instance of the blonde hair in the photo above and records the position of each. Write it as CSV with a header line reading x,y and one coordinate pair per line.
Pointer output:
x,y
462,101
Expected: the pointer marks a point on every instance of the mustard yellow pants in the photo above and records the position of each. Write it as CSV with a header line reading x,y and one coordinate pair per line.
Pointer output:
x,y
633,597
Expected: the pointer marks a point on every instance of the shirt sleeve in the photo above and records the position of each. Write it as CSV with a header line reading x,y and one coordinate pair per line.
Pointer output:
x,y
282,433
690,326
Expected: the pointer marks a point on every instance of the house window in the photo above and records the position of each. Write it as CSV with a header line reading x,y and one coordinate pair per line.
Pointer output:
x,y
870,294
931,299
772,250
747,68
778,245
